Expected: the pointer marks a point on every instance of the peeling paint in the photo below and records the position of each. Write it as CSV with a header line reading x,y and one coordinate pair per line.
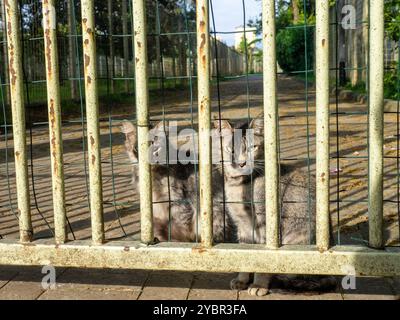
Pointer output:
x,y
87,60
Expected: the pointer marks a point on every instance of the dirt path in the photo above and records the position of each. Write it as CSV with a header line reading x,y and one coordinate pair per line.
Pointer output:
x,y
121,200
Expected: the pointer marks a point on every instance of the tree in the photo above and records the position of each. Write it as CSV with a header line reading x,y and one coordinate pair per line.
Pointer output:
x,y
392,18
295,11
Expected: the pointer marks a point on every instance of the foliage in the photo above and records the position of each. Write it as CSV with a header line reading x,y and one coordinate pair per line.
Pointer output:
x,y
392,83
291,49
392,18
171,18
291,36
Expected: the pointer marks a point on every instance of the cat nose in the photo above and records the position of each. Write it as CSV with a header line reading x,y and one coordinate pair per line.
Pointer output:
x,y
241,164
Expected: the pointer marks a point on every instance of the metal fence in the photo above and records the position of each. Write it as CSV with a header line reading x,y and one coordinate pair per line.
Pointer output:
x,y
205,256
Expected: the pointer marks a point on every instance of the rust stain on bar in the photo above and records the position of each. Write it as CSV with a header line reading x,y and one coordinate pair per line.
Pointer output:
x,y
54,114
205,174
92,116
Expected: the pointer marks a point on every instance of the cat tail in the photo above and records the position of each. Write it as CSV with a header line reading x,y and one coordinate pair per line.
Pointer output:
x,y
288,284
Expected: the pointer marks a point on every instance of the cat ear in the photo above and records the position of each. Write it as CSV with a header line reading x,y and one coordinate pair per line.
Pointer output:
x,y
127,127
222,124
258,126
162,126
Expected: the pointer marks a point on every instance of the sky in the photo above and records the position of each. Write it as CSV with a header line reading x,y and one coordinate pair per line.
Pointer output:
x,y
229,15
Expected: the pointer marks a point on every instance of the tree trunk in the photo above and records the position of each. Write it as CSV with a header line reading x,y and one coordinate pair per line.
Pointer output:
x,y
111,45
72,52
125,43
6,75
296,11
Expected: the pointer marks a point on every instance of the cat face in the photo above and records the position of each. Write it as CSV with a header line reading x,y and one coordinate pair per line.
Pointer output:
x,y
157,138
241,147
129,129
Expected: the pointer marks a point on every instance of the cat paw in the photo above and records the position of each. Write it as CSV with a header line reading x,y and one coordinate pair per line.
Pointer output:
x,y
236,284
257,290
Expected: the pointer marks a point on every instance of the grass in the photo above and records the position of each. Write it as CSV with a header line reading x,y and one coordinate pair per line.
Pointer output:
x,y
360,87
391,86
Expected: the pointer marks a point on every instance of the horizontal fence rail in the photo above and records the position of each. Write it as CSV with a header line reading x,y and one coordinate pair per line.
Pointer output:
x,y
205,255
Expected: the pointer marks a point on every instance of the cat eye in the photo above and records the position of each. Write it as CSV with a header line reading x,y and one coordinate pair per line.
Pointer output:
x,y
228,149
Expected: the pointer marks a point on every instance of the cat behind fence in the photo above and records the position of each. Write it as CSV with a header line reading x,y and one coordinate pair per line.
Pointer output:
x,y
238,181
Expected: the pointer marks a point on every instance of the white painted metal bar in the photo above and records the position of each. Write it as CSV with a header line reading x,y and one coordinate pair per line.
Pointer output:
x,y
18,118
270,126
92,115
375,139
142,113
322,123
204,105
54,109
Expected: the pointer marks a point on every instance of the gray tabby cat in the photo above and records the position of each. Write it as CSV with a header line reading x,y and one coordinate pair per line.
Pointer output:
x,y
245,174
177,183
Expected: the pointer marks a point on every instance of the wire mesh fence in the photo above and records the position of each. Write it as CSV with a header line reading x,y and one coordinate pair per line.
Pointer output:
x,y
237,90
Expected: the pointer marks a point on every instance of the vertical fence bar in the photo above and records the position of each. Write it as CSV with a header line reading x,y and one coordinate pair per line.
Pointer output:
x,y
375,140
92,118
18,118
54,109
203,62
322,123
142,113
271,126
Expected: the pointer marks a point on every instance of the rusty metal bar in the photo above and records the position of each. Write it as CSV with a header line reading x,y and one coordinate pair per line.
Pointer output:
x,y
18,118
375,139
220,258
205,167
322,123
142,113
92,115
271,126
54,109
